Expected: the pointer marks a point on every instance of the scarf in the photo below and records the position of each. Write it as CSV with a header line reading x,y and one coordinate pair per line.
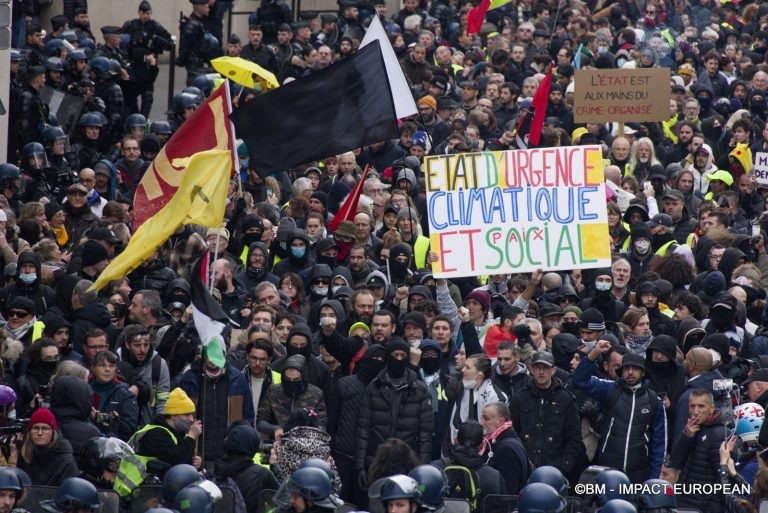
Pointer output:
x,y
22,330
490,438
93,198
62,237
639,343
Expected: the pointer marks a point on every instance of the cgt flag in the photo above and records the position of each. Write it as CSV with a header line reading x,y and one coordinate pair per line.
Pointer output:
x,y
208,128
345,106
199,199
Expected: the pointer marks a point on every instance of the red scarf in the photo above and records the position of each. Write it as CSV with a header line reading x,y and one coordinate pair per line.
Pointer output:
x,y
491,437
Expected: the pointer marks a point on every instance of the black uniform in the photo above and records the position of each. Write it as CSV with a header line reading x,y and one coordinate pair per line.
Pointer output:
x,y
33,114
195,49
145,39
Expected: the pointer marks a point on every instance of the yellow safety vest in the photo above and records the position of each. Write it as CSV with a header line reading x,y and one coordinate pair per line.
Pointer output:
x,y
663,249
133,468
420,250
37,331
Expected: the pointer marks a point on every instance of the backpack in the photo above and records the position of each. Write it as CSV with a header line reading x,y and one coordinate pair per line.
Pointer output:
x,y
462,483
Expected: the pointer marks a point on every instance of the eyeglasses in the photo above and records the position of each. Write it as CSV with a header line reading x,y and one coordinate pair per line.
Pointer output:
x,y
41,429
321,282
18,314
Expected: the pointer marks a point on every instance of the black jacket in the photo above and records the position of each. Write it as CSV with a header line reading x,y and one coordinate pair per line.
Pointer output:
x,y
251,478
548,423
159,444
390,413
510,385
507,455
343,412
490,481
51,465
71,404
94,315
698,459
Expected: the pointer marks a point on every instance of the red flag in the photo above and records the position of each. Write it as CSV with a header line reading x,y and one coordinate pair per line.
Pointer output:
x,y
348,210
208,128
539,104
476,16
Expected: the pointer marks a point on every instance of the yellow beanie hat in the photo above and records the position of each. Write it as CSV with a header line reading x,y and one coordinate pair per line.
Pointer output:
x,y
179,403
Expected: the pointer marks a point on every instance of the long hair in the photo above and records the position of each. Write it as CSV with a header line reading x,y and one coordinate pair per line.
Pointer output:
x,y
27,446
392,457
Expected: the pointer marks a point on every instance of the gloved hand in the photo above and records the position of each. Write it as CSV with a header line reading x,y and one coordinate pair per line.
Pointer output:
x,y
523,334
362,480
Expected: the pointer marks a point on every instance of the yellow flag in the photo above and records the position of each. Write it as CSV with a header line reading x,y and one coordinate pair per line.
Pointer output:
x,y
200,199
495,4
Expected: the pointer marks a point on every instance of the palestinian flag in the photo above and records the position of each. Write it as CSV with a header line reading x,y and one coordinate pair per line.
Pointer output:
x,y
210,319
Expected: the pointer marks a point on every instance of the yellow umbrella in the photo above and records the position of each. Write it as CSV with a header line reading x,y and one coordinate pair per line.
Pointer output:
x,y
245,73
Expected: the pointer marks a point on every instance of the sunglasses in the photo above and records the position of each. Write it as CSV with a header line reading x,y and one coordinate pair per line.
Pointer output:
x,y
18,314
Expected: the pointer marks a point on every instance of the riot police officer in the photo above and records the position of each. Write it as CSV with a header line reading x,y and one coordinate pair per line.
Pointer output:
x,y
34,111
86,150
146,40
104,74
197,47
75,495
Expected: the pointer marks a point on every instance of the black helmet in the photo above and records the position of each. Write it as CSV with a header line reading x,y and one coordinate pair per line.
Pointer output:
x,y
9,172
24,478
135,121
160,128
551,476
432,484
74,494
53,47
17,55
204,83
91,119
193,499
618,506
540,498
311,483
76,55
195,92
51,134
54,64
400,487
654,495
178,477
183,101
34,150
9,480
101,66
318,463
612,481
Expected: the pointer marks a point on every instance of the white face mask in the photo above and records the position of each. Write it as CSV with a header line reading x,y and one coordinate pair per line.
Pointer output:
x,y
642,246
320,291
602,286
469,384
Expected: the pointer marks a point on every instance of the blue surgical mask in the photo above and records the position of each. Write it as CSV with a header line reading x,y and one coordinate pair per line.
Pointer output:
x,y
298,252
27,278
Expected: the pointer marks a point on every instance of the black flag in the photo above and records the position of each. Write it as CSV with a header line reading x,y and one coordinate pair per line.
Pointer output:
x,y
345,106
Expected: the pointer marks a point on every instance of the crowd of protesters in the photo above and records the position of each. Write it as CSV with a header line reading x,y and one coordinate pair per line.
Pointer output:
x,y
343,346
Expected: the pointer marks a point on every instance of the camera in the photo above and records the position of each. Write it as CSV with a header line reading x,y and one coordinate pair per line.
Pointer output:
x,y
104,417
266,452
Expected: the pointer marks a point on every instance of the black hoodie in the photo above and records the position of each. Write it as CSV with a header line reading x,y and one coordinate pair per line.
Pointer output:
x,y
43,295
665,377
71,400
251,276
292,263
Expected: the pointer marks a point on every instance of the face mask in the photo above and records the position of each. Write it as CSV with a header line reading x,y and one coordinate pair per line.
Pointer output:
x,y
250,238
395,368
293,350
590,345
298,252
256,271
320,291
721,317
398,269
120,310
213,374
294,388
368,368
335,289
182,426
430,365
48,368
602,50
602,286
469,384
28,278
570,326
704,102
642,246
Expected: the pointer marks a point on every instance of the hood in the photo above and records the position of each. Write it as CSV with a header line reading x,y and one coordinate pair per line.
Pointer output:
x,y
665,345
28,257
380,275
320,271
300,329
729,262
54,323
297,362
341,316
564,345
242,439
342,271
95,313
112,174
71,398
689,333
176,283
259,245
701,252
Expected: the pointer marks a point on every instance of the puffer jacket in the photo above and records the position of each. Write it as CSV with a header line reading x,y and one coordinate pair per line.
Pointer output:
x,y
155,276
71,400
343,413
387,412
548,424
698,459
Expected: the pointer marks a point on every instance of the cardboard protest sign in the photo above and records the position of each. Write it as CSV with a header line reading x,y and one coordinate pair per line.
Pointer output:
x,y
760,170
515,211
621,95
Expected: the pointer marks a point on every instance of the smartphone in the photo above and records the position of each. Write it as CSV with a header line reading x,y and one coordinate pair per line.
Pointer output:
x,y
269,192
755,230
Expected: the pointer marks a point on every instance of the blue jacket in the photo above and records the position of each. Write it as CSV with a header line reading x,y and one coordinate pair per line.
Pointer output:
x,y
239,391
602,389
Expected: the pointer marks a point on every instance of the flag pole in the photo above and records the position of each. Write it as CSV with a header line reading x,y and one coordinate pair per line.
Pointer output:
x,y
554,24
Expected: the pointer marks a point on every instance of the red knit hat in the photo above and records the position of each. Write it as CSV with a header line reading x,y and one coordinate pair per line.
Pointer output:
x,y
43,416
